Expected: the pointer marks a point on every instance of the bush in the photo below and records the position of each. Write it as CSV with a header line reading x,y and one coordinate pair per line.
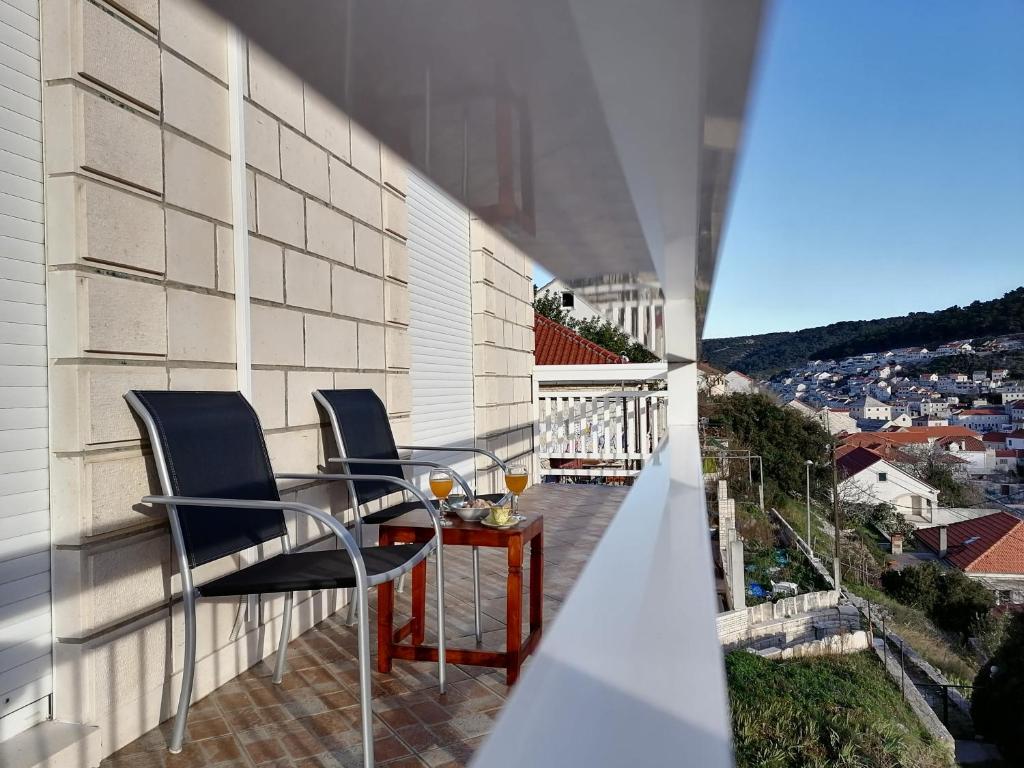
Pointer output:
x,y
951,599
998,703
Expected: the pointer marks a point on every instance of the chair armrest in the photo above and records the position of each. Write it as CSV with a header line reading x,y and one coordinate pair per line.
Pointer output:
x,y
435,517
411,463
449,449
330,521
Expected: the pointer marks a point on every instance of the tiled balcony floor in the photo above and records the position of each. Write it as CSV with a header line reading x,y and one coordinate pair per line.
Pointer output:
x,y
312,719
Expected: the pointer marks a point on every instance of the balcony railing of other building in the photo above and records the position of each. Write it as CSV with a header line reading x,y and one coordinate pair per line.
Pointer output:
x,y
599,420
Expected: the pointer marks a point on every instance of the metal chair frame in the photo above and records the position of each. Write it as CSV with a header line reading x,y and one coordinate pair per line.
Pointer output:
x,y
191,593
345,461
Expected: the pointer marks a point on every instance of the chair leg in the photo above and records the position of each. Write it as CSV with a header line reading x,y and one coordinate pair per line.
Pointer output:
x,y
442,677
282,648
476,596
188,673
365,691
350,616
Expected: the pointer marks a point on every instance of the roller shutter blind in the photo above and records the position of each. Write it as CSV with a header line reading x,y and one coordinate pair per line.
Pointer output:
x,y
440,324
25,628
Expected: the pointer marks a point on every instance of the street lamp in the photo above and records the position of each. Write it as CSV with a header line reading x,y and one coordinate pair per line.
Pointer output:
x,y
810,546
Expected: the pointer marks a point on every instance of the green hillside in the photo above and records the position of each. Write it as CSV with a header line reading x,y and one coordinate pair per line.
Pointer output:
x,y
769,353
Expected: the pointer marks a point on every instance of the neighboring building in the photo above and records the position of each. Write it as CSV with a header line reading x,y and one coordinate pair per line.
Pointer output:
x,y
554,344
1008,460
576,306
989,549
634,302
865,477
1017,413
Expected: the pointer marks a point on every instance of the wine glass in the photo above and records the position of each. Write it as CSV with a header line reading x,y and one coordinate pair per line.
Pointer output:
x,y
515,481
441,485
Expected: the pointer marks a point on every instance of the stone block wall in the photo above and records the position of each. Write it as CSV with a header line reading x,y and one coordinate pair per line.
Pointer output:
x,y
502,351
141,294
330,304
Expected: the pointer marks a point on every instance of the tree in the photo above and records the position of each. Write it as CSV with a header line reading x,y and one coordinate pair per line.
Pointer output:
x,y
550,305
998,693
784,438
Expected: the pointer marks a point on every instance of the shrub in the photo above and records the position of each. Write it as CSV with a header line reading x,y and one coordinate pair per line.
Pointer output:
x,y
998,695
951,599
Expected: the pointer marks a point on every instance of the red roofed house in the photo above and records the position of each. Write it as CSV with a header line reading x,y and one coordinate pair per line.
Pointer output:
x,y
554,344
989,549
865,477
1015,439
995,440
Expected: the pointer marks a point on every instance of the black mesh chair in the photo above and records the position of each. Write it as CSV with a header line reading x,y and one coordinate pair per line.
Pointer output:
x,y
221,498
363,435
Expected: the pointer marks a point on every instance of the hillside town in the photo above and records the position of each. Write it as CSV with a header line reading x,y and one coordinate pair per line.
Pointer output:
x,y
976,414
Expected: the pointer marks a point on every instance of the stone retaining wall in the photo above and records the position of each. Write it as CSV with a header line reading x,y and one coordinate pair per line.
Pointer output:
x,y
800,619
834,645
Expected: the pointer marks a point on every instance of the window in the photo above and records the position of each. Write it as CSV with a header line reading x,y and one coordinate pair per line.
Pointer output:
x,y
568,299
883,476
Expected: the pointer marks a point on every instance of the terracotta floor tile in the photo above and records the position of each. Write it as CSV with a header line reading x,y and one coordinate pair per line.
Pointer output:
x,y
312,720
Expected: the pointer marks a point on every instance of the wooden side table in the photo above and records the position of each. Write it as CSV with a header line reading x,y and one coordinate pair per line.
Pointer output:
x,y
415,526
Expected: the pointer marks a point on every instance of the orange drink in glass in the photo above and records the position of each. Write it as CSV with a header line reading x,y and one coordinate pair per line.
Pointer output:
x,y
516,477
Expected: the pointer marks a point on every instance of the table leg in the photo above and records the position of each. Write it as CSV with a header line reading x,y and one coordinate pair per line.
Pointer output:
x,y
537,583
514,609
385,625
419,603
477,629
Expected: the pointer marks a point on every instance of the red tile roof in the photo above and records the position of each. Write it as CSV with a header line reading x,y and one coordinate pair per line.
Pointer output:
x,y
968,443
994,437
990,544
852,462
554,344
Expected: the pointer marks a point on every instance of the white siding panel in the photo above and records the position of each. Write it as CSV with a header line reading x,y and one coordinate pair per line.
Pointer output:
x,y
440,324
21,418
25,605
20,333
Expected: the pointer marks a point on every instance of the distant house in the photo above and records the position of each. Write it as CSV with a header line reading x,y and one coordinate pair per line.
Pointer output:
x,y
980,459
868,407
982,419
1009,460
837,421
867,478
710,380
989,549
995,440
1015,439
802,408
1017,413
740,383
930,420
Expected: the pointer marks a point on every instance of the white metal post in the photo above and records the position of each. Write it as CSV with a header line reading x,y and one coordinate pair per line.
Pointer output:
x,y
239,210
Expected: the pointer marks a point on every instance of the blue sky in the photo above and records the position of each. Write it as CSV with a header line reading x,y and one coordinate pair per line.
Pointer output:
x,y
883,169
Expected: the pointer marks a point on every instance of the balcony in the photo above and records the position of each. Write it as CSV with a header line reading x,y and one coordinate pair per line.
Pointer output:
x,y
313,718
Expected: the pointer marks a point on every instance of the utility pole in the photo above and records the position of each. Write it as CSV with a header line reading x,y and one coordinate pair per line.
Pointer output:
x,y
810,546
835,514
836,568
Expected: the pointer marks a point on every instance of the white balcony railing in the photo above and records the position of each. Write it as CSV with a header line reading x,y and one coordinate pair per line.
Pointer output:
x,y
599,420
618,429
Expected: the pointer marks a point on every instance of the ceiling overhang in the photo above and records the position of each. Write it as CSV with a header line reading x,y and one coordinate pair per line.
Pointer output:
x,y
599,136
